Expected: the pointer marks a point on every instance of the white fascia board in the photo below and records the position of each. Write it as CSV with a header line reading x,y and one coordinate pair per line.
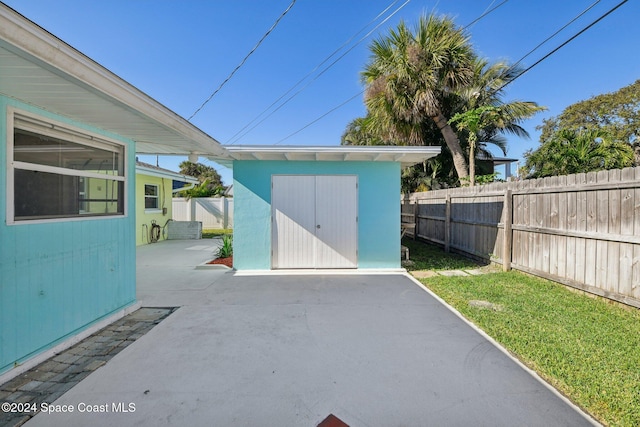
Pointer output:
x,y
168,175
341,149
25,37
406,155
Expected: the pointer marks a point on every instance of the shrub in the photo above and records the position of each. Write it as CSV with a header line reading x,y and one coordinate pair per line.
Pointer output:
x,y
226,250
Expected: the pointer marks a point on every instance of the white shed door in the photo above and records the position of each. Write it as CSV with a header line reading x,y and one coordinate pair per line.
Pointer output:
x,y
314,221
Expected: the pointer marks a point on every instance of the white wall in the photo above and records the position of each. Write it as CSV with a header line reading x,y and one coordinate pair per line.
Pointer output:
x,y
213,212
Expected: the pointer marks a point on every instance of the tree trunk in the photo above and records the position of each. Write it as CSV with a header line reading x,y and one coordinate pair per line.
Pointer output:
x,y
472,165
453,143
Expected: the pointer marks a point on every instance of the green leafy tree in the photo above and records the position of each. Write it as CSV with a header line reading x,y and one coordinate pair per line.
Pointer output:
x,y
617,114
486,93
482,123
201,171
570,151
422,177
204,189
210,181
474,121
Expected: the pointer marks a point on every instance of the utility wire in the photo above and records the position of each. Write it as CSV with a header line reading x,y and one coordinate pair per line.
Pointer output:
x,y
507,83
486,12
562,45
275,24
555,34
362,91
231,140
320,73
321,117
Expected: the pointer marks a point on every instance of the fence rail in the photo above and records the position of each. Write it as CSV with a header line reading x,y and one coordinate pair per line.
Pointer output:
x,y
213,212
581,230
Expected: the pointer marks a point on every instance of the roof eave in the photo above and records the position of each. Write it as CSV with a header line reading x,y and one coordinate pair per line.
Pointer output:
x,y
25,38
407,156
143,170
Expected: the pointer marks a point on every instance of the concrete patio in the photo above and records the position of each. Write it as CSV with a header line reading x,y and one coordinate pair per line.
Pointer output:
x,y
374,350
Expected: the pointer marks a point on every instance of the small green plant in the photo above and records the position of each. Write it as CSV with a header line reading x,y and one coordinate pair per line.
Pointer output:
x,y
226,250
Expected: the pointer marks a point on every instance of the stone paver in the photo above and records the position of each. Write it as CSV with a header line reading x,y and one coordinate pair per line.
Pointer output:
x,y
452,273
485,305
476,272
54,377
424,274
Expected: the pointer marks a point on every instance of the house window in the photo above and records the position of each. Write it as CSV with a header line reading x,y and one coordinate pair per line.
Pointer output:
x,y
58,172
151,197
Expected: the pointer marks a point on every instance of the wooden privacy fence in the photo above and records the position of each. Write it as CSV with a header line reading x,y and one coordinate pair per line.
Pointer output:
x,y
213,212
581,230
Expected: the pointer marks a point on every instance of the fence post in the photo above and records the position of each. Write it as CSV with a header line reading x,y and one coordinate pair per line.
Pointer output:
x,y
415,219
447,223
192,209
225,212
507,241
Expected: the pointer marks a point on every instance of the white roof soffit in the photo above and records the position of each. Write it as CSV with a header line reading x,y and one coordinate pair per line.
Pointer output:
x,y
40,69
407,156
157,172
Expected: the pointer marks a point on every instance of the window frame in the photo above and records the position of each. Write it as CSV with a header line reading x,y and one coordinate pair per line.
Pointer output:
x,y
156,197
31,122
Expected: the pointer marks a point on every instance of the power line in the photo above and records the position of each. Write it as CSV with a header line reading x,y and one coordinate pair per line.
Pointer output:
x,y
326,68
362,91
231,140
275,24
555,34
562,45
319,74
486,12
507,83
321,117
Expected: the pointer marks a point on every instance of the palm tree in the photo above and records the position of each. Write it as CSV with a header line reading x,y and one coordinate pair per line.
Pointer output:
x,y
359,132
408,76
484,116
569,151
487,89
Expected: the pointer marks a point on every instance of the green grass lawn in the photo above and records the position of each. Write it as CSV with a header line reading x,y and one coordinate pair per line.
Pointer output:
x,y
430,257
586,347
213,233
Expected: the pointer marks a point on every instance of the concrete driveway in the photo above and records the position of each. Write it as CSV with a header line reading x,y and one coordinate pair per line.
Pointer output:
x,y
374,350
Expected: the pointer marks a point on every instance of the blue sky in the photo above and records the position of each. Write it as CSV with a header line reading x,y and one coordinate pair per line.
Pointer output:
x,y
179,52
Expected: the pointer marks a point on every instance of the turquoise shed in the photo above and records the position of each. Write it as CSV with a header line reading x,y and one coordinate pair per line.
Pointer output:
x,y
68,137
319,207
67,196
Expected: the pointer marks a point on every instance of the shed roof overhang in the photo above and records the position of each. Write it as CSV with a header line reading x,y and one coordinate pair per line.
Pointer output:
x,y
407,156
39,69
502,160
150,170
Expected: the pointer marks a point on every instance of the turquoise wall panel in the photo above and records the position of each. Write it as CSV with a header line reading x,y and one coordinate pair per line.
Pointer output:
x,y
378,209
58,278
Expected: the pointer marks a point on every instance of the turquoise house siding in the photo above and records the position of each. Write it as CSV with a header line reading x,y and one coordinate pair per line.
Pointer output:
x,y
378,209
58,278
